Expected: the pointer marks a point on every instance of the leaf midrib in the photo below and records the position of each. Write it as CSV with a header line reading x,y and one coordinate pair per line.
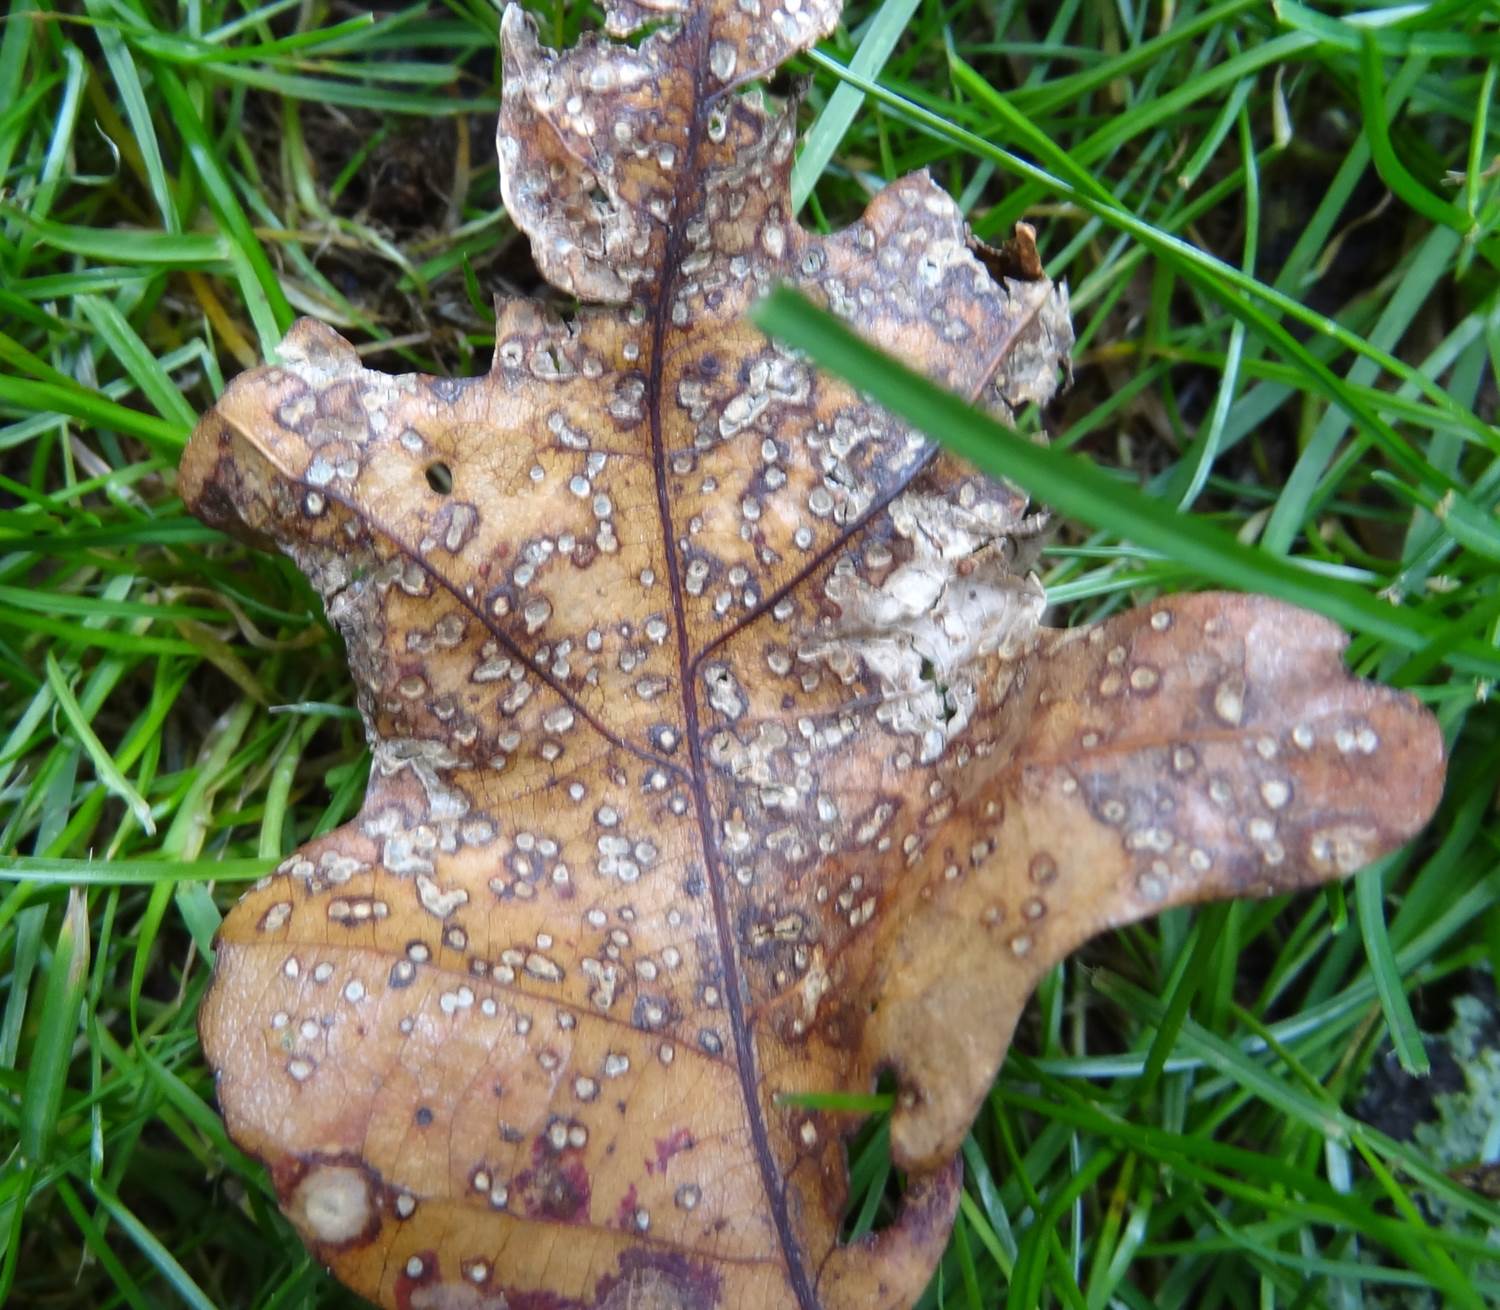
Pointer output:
x,y
696,31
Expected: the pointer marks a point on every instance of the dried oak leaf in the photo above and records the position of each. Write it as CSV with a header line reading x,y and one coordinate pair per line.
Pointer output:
x,y
719,753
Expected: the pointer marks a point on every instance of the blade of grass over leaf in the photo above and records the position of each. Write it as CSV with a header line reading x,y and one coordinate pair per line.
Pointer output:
x,y
1067,483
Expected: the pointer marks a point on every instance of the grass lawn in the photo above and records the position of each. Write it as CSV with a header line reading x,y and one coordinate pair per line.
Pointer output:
x,y
1281,231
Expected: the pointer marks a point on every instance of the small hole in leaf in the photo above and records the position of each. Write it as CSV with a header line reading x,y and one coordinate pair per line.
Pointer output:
x,y
440,478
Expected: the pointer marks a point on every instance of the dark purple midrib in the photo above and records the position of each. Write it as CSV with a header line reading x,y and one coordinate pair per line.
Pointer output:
x,y
690,663
697,33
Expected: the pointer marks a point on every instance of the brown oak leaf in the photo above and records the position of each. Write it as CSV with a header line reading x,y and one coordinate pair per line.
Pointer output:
x,y
719,751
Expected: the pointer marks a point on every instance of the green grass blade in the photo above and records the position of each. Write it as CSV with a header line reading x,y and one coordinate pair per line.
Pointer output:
x,y
57,1026
1069,484
142,365
259,278
104,765
1393,172
132,92
1369,895
145,1241
828,129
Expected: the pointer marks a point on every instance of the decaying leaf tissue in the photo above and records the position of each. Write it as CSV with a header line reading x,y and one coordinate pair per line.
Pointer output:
x,y
719,751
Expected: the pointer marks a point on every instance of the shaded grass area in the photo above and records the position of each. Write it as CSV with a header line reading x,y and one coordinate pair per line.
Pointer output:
x,y
1279,230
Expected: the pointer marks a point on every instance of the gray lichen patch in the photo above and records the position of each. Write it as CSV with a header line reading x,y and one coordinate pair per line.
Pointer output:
x,y
922,631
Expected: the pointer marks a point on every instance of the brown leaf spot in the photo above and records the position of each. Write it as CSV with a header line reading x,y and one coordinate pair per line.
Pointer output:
x,y
556,1186
334,1202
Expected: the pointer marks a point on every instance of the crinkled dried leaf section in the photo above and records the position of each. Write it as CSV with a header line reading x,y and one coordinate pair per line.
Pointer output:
x,y
719,752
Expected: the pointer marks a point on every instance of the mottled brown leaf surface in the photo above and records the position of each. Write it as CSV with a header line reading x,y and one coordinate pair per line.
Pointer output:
x,y
719,753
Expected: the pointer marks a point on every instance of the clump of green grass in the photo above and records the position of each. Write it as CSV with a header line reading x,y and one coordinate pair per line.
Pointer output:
x,y
1280,232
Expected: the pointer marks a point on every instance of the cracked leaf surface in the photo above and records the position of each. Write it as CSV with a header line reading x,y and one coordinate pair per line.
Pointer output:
x,y
719,751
